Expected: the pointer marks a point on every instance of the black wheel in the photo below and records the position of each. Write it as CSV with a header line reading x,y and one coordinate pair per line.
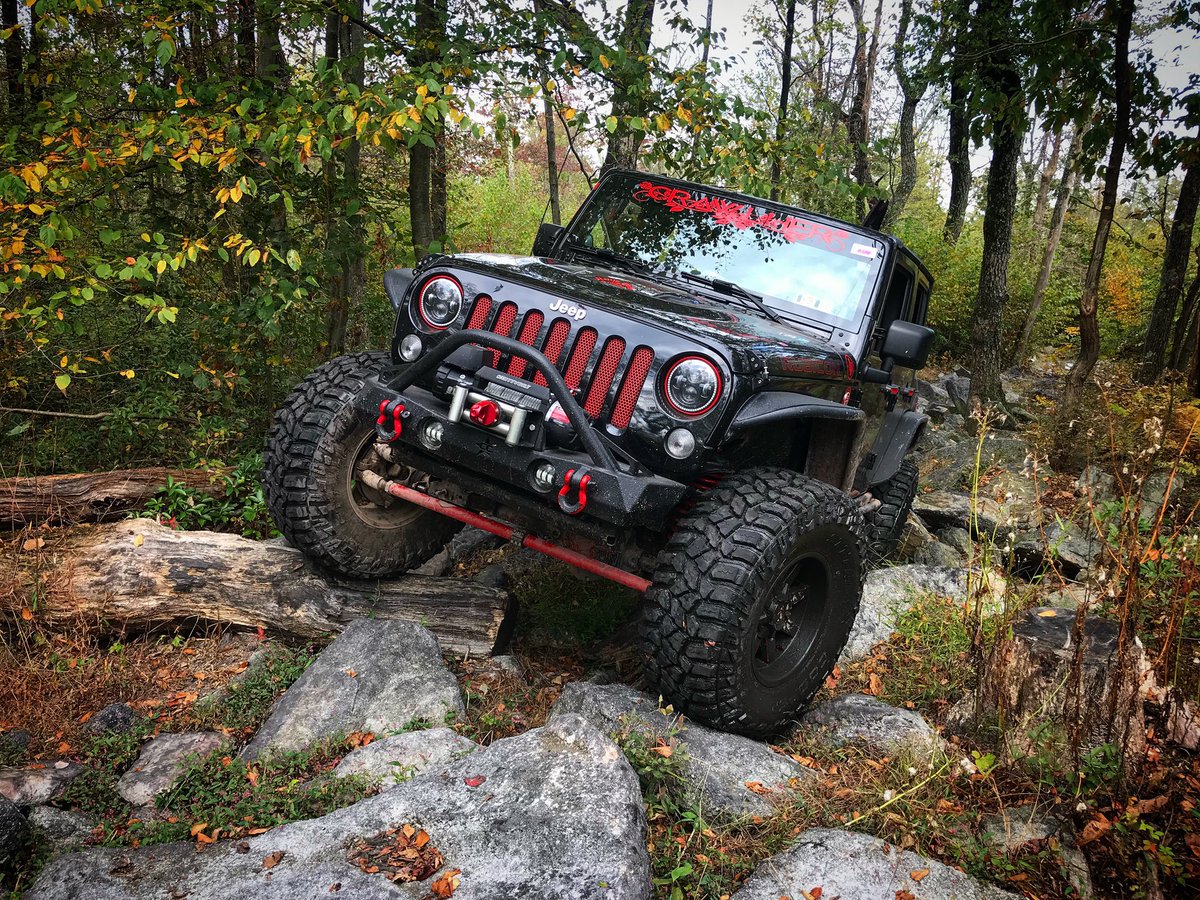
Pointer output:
x,y
885,525
753,599
317,449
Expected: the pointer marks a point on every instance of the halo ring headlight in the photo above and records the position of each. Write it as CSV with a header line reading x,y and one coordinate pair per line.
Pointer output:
x,y
692,385
440,302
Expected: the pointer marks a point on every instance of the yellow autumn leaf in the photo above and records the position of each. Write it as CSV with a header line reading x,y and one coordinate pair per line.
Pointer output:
x,y
683,115
604,61
568,114
662,122
138,540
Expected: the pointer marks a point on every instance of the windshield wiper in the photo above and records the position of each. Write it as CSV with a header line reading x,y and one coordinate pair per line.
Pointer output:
x,y
731,289
633,265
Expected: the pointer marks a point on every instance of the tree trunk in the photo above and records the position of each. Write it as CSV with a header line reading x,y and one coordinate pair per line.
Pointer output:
x,y
93,496
1185,326
271,63
247,52
551,154
958,155
170,578
1089,328
1062,201
1174,275
1048,173
912,90
14,56
422,204
624,143
785,89
857,122
1000,76
439,199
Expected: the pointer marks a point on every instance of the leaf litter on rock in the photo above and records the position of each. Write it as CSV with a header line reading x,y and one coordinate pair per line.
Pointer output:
x,y
402,854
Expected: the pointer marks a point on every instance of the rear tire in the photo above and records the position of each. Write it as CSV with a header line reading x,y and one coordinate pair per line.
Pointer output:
x,y
318,444
753,599
885,526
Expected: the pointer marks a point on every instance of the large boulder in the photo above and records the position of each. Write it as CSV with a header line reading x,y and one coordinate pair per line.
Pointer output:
x,y
947,509
402,756
377,676
1017,827
37,784
14,832
729,775
555,813
162,760
856,866
859,718
1061,547
61,829
888,593
116,717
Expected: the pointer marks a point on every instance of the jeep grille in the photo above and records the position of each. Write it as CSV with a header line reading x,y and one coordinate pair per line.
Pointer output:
x,y
571,351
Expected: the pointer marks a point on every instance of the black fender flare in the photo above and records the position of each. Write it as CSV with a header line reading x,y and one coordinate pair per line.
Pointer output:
x,y
397,282
900,430
774,407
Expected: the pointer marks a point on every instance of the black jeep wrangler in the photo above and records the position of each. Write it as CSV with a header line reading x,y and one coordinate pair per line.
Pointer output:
x,y
704,396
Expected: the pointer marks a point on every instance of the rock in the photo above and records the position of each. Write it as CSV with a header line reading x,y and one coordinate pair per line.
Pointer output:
x,y
887,593
1069,595
859,867
952,467
1096,484
14,832
377,676
958,538
958,389
1019,825
859,718
1029,680
62,829
718,766
401,756
947,509
1158,488
13,744
162,760
116,717
914,536
33,787
1060,546
932,392
1183,720
492,576
555,813
510,666
939,554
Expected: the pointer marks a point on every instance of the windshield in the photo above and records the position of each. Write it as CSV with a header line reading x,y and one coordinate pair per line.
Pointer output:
x,y
799,267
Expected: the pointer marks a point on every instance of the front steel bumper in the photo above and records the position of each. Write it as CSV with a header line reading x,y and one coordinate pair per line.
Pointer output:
x,y
618,491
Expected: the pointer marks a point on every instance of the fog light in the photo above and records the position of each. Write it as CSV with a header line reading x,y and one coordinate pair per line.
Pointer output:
x,y
543,477
431,434
680,443
410,347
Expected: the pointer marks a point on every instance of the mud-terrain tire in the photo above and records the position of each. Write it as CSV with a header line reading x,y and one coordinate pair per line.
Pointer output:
x,y
752,600
316,501
885,526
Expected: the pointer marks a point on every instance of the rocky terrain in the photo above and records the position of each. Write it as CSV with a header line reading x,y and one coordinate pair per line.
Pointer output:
x,y
570,807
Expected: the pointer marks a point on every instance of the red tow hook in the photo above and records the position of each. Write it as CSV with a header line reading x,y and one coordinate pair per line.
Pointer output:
x,y
574,480
389,410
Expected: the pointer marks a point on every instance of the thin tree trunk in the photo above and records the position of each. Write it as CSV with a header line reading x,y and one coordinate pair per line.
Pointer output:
x,y
247,53
1186,326
1089,328
999,74
912,90
14,55
785,88
422,203
624,143
1062,200
551,154
708,17
1174,275
1048,173
857,123
958,154
271,63
439,198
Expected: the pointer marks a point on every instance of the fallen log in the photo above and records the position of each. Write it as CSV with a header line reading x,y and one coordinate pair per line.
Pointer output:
x,y
92,496
138,574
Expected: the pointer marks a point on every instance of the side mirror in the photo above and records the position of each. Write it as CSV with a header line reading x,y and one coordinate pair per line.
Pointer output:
x,y
547,234
396,282
907,344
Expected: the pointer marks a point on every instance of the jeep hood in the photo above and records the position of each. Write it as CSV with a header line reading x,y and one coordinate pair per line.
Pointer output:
x,y
786,350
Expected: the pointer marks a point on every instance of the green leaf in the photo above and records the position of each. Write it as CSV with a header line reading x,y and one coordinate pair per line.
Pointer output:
x,y
293,260
20,428
610,124
62,381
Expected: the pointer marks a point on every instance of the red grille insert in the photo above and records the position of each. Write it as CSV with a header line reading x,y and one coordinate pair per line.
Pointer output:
x,y
602,378
529,332
631,387
580,354
560,330
503,326
479,312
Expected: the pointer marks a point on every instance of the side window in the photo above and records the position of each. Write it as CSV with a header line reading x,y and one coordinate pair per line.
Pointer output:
x,y
921,310
897,303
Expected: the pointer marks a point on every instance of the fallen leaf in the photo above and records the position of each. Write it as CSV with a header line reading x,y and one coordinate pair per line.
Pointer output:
x,y
474,780
905,895
813,894
663,749
446,884
138,540
34,544
757,787
1193,842
421,839
271,860
335,887
205,838
351,673
27,614
198,827
242,847
254,831
875,687
1048,613
1154,804
919,875
1093,830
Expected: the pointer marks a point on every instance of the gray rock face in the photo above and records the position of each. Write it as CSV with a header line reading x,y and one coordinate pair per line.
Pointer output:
x,y
939,554
1019,825
376,676
913,538
857,717
887,593
402,756
161,761
958,538
62,829
33,787
1061,546
856,866
947,509
14,831
554,814
118,717
1095,483
719,766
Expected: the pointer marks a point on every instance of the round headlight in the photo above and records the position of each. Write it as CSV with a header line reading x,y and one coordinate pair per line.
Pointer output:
x,y
692,385
440,302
